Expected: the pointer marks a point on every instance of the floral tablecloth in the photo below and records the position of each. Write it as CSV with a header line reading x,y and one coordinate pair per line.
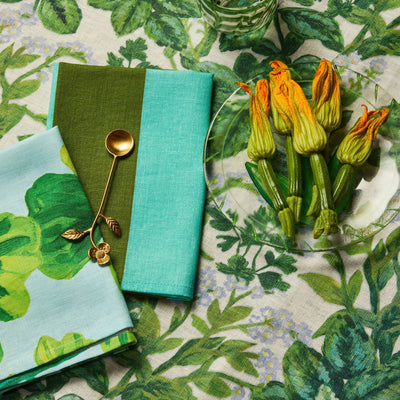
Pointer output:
x,y
264,323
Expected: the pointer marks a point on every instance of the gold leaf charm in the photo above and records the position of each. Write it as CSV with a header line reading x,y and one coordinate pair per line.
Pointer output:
x,y
73,234
113,225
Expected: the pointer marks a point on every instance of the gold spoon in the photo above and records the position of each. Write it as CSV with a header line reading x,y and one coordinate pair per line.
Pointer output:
x,y
118,143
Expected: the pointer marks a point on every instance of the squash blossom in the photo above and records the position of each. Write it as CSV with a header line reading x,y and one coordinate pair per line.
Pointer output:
x,y
309,139
261,143
261,147
356,147
280,73
308,135
283,125
326,102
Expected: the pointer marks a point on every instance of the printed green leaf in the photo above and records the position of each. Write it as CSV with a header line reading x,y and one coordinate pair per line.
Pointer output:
x,y
366,317
227,242
247,66
329,323
355,283
214,313
106,5
135,360
19,60
66,159
235,345
386,44
253,40
196,358
57,202
118,341
10,115
1,353
238,269
49,348
240,362
312,24
393,240
386,331
19,245
14,298
375,384
60,16
273,391
148,328
94,373
273,280
5,57
347,347
218,220
129,16
175,319
211,384
19,257
285,263
157,388
181,9
383,5
325,286
68,52
165,345
232,130
377,25
167,30
301,371
234,314
22,89
134,50
205,45
114,61
292,43
200,324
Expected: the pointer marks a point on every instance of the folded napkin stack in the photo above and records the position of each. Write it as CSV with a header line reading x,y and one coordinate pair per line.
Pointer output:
x,y
57,308
157,194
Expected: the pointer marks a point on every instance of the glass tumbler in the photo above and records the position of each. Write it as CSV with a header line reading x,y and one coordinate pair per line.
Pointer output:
x,y
238,16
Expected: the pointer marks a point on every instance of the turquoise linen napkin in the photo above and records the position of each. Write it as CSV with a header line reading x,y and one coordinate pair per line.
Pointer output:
x,y
168,201
57,308
158,192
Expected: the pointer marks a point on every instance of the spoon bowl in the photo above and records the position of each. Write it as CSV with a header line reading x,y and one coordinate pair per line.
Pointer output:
x,y
119,143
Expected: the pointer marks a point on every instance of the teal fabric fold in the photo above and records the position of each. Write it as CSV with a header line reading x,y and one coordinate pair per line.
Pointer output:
x,y
168,201
57,308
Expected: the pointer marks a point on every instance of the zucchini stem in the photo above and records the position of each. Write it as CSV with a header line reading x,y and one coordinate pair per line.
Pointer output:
x,y
294,198
277,197
327,217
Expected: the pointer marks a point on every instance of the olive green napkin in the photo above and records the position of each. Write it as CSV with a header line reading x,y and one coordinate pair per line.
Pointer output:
x,y
87,103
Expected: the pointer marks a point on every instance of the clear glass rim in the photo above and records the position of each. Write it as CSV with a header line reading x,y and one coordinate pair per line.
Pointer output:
x,y
254,6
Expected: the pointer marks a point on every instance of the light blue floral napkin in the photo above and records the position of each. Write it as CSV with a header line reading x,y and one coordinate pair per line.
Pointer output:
x,y
57,308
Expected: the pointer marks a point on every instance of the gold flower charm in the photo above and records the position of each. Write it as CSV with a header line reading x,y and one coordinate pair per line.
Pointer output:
x,y
100,253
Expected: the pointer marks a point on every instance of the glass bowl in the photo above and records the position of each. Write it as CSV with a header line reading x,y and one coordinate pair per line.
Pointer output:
x,y
238,16
376,197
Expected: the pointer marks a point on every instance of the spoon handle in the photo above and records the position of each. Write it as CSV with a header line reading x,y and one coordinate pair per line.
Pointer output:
x,y
91,229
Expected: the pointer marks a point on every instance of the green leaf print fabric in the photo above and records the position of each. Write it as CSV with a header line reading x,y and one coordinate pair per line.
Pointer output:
x,y
50,313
